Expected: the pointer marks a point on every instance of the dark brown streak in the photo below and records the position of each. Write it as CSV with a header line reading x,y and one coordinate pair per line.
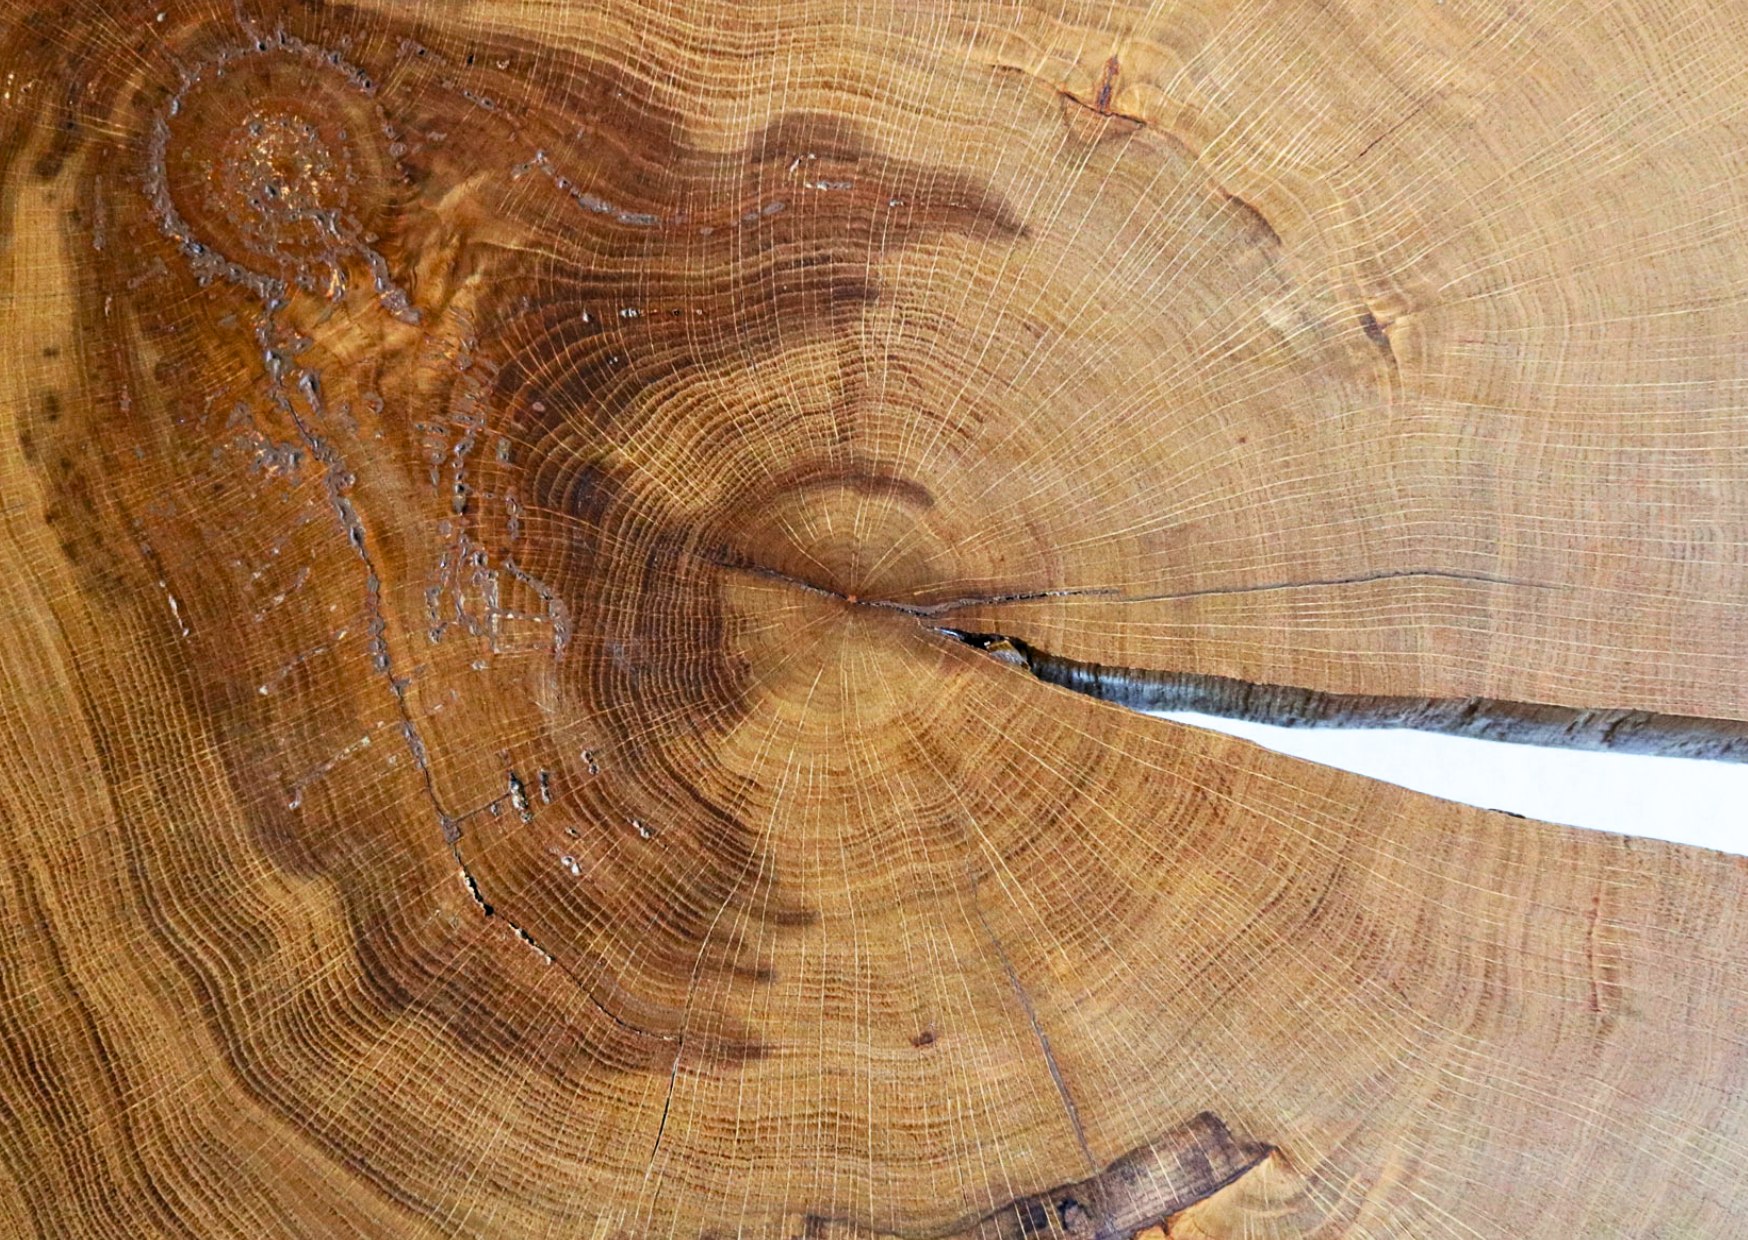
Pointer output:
x,y
1524,723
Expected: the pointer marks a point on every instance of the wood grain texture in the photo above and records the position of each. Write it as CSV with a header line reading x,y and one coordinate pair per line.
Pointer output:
x,y
482,486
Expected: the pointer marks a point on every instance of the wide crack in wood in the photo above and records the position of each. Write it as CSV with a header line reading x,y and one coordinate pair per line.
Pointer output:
x,y
1610,729
1521,723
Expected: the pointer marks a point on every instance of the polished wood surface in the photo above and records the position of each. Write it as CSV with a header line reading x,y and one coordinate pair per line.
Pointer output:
x,y
492,496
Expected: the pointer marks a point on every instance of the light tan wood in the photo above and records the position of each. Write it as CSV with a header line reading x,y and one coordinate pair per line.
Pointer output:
x,y
483,489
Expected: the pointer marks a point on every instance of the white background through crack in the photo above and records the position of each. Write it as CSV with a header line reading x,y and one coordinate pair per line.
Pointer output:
x,y
1685,800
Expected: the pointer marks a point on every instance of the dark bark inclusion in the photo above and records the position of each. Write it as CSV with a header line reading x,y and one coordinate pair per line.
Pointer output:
x,y
1288,706
1144,1188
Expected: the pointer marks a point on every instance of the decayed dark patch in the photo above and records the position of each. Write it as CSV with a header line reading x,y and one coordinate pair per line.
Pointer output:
x,y
269,183
534,254
679,265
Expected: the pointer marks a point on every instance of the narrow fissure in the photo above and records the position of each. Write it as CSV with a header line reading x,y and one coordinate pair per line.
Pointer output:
x,y
1025,1001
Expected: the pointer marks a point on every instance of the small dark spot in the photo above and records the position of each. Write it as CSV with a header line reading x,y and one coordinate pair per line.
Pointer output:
x,y
1374,330
1244,439
1032,1218
52,351
925,1038
51,407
